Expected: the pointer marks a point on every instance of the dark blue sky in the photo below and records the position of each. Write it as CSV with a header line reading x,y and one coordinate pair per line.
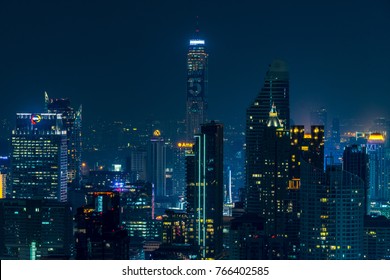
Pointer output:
x,y
126,59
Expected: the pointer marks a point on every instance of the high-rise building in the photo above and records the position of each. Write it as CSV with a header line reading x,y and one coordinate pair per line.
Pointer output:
x,y
355,160
332,211
157,164
197,58
272,177
307,147
205,192
136,164
39,157
274,92
379,191
319,117
72,121
179,174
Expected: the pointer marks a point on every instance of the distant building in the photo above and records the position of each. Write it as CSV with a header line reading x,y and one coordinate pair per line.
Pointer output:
x,y
157,164
197,67
355,160
39,157
35,229
136,164
72,123
379,179
205,192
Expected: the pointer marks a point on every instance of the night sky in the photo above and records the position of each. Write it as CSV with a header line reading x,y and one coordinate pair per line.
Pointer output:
x,y
126,60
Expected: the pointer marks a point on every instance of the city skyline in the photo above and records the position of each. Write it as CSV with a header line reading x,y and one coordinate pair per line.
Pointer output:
x,y
225,130
112,59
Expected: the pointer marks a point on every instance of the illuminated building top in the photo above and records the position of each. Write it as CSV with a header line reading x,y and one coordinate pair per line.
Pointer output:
x,y
273,120
376,137
196,42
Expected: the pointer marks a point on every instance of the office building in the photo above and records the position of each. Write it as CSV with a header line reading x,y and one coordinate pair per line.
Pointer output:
x,y
157,153
72,123
274,92
355,161
205,192
39,157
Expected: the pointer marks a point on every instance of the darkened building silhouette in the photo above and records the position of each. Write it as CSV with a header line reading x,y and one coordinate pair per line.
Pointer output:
x,y
205,192
247,238
99,234
331,221
274,92
35,229
355,161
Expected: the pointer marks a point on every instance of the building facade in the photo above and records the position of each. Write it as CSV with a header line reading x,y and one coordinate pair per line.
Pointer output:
x,y
39,157
205,192
196,104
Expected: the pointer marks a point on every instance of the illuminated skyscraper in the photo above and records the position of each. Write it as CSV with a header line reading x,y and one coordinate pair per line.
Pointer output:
x,y
196,86
379,192
39,157
157,164
205,192
71,120
274,92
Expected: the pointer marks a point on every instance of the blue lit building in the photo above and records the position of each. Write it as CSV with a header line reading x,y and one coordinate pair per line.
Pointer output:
x,y
39,157
196,105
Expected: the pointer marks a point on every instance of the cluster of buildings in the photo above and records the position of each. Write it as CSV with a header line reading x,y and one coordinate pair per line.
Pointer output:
x,y
276,191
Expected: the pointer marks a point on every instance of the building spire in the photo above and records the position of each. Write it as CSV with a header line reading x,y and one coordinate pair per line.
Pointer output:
x,y
273,119
47,101
197,27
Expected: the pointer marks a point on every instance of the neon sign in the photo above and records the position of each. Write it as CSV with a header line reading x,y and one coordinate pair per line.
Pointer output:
x,y
185,145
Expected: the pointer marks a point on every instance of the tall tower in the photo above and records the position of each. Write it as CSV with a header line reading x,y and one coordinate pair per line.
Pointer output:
x,y
205,192
274,92
196,86
157,161
72,121
39,157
